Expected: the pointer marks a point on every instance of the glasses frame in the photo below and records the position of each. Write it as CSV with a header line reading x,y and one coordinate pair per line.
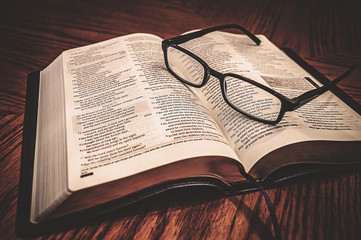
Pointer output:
x,y
287,104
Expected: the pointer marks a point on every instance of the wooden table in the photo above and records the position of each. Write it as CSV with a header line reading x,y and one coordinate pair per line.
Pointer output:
x,y
326,34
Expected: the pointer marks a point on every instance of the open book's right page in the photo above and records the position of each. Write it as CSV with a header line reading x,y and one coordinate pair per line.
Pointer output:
x,y
324,118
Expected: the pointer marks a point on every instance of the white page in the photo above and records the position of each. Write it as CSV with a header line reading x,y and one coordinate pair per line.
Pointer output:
x,y
325,118
49,188
125,113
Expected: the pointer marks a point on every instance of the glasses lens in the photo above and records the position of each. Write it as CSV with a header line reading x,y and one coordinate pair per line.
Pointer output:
x,y
185,67
251,99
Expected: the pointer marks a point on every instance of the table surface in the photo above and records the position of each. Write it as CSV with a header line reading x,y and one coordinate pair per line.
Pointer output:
x,y
327,34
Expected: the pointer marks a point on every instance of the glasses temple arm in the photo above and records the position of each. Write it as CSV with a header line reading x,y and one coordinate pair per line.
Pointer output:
x,y
183,38
310,95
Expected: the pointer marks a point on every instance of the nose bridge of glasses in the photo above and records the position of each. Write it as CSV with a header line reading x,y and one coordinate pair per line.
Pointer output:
x,y
215,73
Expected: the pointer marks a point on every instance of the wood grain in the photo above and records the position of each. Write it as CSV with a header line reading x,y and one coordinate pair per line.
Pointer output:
x,y
327,34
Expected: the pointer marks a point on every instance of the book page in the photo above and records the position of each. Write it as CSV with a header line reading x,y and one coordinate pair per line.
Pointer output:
x,y
324,118
126,114
50,144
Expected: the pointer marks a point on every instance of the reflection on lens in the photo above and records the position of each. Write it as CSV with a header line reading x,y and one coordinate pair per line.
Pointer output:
x,y
251,99
185,66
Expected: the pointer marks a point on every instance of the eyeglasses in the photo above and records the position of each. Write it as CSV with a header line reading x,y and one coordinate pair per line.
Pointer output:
x,y
244,95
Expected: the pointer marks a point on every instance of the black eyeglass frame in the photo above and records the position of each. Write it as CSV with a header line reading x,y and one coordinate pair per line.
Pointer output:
x,y
287,104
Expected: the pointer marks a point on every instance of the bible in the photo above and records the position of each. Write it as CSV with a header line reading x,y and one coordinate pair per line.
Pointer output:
x,y
107,125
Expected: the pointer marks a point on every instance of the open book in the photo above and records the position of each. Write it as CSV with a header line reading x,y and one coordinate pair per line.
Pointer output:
x,y
108,121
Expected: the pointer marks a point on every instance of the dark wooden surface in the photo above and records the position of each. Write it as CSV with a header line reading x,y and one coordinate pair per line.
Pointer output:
x,y
327,34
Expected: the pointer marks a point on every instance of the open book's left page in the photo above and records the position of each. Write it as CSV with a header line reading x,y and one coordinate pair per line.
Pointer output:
x,y
126,114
